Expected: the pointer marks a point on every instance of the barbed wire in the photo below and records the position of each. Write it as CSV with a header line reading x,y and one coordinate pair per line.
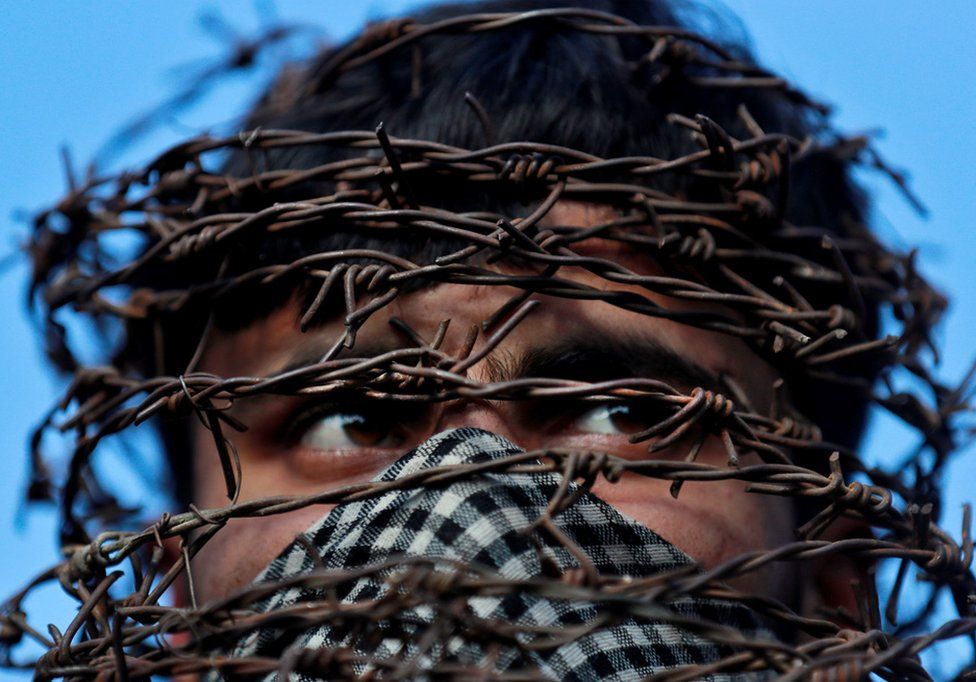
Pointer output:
x,y
737,253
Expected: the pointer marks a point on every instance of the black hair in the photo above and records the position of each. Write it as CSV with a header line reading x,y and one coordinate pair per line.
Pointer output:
x,y
541,84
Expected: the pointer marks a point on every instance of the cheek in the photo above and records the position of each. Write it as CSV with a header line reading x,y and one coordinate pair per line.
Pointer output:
x,y
244,547
712,522
705,521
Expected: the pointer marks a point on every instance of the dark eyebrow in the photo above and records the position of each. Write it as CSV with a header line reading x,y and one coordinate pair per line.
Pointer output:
x,y
367,348
308,356
590,355
593,355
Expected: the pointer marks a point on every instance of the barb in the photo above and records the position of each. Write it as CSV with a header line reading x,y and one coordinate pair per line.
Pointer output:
x,y
737,265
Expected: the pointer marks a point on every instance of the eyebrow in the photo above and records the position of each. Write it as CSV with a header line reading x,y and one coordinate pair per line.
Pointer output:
x,y
589,355
365,349
307,356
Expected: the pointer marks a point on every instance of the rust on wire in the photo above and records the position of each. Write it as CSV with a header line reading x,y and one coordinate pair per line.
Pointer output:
x,y
177,204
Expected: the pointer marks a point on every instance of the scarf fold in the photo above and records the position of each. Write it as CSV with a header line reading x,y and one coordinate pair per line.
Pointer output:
x,y
478,528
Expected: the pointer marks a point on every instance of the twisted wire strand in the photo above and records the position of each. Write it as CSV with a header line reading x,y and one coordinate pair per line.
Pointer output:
x,y
708,251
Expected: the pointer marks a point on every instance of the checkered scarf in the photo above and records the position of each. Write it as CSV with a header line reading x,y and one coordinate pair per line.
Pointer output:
x,y
478,527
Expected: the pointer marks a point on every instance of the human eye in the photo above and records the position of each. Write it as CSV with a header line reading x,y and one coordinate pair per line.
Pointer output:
x,y
341,428
616,419
345,430
615,426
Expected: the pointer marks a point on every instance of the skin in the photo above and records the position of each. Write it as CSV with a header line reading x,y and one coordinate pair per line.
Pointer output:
x,y
712,522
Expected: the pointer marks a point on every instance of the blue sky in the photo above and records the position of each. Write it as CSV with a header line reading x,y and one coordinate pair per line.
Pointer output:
x,y
74,72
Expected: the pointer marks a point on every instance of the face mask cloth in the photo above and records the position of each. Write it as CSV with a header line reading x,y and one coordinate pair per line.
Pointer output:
x,y
526,616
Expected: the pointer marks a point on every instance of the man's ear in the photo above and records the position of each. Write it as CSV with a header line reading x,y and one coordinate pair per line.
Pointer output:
x,y
829,586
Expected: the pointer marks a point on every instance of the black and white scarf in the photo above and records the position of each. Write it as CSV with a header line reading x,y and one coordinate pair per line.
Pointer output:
x,y
485,521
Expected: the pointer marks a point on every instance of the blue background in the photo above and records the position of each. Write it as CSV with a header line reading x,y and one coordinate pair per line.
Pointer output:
x,y
73,72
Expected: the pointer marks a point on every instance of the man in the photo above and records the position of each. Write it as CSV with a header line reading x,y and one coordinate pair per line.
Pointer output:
x,y
510,340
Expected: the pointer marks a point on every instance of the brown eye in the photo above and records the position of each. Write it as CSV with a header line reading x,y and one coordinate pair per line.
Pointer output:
x,y
348,430
608,420
617,419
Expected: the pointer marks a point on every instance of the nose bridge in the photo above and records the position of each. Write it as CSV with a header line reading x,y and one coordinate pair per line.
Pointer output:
x,y
478,413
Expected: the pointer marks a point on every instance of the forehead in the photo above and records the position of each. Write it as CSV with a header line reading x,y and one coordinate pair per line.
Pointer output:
x,y
271,344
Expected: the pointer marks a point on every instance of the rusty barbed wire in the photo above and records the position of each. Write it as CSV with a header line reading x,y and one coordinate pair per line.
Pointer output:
x,y
805,315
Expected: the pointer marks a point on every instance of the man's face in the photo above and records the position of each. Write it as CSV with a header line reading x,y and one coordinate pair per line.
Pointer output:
x,y
298,446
